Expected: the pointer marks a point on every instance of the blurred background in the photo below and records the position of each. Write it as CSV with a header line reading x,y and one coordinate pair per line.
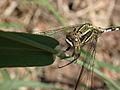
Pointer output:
x,y
40,15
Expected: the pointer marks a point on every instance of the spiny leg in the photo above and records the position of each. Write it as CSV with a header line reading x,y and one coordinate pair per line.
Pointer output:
x,y
80,74
68,48
78,55
75,54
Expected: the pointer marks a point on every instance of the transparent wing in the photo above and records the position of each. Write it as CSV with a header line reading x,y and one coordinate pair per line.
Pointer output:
x,y
60,31
86,76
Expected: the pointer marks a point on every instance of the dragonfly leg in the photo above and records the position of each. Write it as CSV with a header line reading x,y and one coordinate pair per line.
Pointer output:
x,y
68,48
79,77
71,61
73,54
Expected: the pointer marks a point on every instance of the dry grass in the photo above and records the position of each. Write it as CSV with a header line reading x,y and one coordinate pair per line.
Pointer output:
x,y
32,16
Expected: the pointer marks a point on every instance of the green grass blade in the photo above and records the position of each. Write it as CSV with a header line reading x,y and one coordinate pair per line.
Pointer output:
x,y
11,25
5,74
51,9
15,84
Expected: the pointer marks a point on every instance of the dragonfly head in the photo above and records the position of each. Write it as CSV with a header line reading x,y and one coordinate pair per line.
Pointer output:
x,y
73,39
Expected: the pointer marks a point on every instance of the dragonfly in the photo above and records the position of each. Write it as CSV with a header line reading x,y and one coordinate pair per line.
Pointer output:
x,y
77,37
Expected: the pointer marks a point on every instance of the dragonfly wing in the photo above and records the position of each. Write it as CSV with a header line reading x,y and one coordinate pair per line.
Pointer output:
x,y
59,32
86,73
90,62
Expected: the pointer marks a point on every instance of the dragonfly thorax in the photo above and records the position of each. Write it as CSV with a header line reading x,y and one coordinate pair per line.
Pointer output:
x,y
79,37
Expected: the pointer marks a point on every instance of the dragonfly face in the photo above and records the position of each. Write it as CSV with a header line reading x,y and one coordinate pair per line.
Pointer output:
x,y
73,40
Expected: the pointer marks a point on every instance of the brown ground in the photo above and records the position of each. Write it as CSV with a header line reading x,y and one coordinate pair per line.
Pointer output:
x,y
102,13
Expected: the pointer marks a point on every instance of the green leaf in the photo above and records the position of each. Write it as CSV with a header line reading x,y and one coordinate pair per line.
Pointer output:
x,y
22,49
